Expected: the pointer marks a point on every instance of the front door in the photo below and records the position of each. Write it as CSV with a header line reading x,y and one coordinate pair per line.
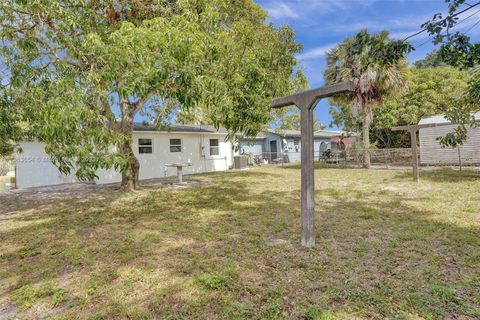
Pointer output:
x,y
273,150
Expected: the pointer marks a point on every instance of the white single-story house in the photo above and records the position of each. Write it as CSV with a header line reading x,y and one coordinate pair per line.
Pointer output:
x,y
432,153
204,147
272,143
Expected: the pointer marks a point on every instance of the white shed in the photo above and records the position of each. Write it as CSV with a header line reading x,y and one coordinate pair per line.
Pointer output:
x,y
203,146
432,153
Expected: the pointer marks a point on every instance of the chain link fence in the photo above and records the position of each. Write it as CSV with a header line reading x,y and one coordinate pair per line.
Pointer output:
x,y
386,157
391,157
6,165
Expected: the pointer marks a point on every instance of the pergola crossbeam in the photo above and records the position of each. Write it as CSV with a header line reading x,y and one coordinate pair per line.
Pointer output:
x,y
311,97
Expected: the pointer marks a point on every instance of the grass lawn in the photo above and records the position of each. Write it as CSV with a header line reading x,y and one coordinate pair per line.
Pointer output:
x,y
386,248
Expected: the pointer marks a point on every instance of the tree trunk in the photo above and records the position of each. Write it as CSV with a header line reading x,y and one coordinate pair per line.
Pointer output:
x,y
130,174
366,138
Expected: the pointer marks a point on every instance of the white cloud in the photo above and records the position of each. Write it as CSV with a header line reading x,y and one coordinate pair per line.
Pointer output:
x,y
324,6
281,10
304,10
317,52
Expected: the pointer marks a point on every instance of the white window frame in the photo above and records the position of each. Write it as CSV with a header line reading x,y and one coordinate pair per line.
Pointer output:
x,y
296,144
217,147
144,145
175,145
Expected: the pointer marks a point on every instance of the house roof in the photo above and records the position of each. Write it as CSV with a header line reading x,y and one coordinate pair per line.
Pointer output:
x,y
194,128
297,134
259,136
178,128
317,134
441,119
328,133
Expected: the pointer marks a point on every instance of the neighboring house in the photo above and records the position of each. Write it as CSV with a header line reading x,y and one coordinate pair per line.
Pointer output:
x,y
252,145
203,146
274,143
432,153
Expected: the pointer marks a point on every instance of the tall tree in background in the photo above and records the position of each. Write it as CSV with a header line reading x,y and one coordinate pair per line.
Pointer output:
x,y
378,68
291,121
83,70
457,49
430,92
432,60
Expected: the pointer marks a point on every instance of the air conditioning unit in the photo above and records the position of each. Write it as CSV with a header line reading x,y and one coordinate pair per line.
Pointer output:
x,y
240,162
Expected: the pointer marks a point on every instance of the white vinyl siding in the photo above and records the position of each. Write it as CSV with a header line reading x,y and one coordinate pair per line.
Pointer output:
x,y
432,153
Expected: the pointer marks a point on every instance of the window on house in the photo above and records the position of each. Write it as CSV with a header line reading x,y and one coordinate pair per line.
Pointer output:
x,y
296,144
214,149
175,145
145,146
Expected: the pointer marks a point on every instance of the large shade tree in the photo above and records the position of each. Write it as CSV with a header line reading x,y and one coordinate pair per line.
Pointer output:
x,y
377,66
430,92
459,50
291,120
81,71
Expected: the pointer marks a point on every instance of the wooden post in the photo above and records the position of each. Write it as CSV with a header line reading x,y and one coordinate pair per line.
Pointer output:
x,y
413,139
308,178
306,102
459,158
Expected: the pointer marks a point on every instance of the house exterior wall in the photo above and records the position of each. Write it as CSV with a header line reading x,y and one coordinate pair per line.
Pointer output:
x,y
252,146
294,153
277,139
431,152
293,149
195,150
35,169
290,145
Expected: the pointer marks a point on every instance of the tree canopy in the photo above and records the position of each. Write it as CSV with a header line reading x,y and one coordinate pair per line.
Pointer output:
x,y
81,71
457,49
430,92
432,60
291,121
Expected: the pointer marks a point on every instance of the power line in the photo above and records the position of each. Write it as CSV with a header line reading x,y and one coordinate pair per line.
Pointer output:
x,y
464,19
445,19
467,18
423,43
473,26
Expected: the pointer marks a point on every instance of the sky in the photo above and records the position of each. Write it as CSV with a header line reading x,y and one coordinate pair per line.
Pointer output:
x,y
321,24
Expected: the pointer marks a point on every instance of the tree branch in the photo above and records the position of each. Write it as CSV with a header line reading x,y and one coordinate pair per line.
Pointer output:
x,y
138,105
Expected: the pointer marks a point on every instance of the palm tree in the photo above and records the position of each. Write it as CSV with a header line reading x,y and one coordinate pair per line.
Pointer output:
x,y
378,67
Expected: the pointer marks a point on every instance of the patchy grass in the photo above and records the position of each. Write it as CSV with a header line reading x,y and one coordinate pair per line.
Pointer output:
x,y
386,248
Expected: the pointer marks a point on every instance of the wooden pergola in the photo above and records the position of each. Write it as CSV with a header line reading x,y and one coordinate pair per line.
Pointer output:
x,y
306,102
413,129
